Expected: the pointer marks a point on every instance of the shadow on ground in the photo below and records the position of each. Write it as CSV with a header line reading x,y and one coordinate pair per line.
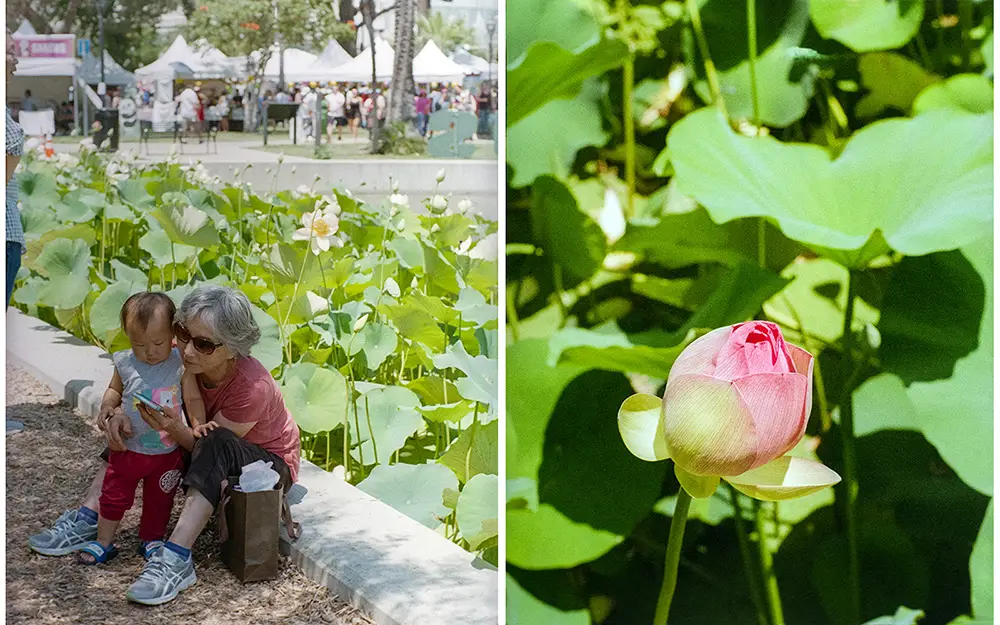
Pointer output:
x,y
49,466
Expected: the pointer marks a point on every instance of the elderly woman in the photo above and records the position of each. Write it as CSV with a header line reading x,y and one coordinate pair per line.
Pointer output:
x,y
247,421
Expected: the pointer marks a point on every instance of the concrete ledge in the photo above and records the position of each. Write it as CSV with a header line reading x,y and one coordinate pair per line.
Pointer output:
x,y
387,565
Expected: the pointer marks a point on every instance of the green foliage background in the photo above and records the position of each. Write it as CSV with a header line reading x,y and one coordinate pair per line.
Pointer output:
x,y
664,180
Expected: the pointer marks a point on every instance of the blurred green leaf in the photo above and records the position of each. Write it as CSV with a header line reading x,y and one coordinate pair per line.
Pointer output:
x,y
867,25
414,490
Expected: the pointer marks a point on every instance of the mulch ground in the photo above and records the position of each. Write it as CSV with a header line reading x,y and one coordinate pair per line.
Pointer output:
x,y
49,466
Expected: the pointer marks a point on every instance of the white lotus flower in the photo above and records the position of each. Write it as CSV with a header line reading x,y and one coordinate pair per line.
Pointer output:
x,y
32,143
319,228
87,145
438,204
303,189
360,323
440,176
465,206
399,200
332,204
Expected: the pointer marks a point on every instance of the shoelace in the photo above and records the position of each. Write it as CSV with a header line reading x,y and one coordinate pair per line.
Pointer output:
x,y
154,569
64,521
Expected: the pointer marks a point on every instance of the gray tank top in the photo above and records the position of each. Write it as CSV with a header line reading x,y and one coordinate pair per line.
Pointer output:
x,y
163,383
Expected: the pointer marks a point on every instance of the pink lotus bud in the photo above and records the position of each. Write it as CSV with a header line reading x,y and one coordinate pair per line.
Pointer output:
x,y
737,400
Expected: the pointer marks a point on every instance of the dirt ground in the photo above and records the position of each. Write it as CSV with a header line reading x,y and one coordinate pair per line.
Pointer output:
x,y
49,466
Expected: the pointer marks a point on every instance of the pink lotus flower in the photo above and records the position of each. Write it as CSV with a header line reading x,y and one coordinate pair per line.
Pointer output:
x,y
737,400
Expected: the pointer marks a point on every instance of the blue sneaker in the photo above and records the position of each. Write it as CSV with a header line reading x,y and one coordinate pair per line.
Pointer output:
x,y
163,578
69,534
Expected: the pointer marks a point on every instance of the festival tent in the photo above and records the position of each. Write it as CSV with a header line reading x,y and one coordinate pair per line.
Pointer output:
x,y
359,69
297,62
333,55
114,74
475,64
431,65
181,61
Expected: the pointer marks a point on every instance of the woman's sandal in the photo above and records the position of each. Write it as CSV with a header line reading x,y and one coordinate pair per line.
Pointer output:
x,y
148,549
99,553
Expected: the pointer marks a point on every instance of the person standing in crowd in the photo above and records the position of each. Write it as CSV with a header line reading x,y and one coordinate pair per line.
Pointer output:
x,y
200,112
336,103
189,103
354,111
15,148
484,107
436,98
422,105
381,106
222,108
29,103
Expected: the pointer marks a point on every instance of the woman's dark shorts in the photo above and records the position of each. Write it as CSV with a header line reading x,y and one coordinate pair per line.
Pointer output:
x,y
222,454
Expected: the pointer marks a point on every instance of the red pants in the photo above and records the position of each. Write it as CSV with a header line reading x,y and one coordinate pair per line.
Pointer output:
x,y
160,477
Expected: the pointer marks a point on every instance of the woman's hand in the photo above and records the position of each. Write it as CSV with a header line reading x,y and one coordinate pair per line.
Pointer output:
x,y
204,429
116,429
164,421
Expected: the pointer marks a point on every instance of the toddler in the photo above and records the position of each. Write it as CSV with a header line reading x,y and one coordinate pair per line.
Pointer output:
x,y
155,368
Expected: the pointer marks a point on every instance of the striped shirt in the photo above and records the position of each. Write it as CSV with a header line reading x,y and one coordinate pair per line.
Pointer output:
x,y
15,147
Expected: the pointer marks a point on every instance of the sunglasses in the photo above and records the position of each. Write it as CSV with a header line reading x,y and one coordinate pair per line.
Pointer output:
x,y
201,344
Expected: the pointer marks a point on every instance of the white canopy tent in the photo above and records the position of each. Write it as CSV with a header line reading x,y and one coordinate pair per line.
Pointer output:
x,y
475,64
359,69
180,60
297,63
431,65
333,55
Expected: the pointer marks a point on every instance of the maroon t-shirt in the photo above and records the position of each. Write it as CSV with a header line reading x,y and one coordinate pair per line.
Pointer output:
x,y
251,394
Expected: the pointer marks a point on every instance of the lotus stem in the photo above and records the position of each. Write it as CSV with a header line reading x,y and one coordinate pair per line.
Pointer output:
x,y
752,48
850,483
674,543
711,74
628,81
767,568
744,542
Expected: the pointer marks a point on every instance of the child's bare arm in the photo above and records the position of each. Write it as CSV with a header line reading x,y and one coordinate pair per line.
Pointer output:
x,y
112,399
194,405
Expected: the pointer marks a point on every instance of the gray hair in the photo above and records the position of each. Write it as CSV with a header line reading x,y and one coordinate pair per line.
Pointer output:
x,y
227,312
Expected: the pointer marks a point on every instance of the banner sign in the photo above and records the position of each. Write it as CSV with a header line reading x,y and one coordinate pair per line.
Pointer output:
x,y
45,46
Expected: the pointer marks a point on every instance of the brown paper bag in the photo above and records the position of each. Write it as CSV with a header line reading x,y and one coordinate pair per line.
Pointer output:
x,y
248,527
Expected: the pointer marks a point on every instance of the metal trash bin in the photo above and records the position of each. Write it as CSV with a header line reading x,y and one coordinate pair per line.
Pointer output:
x,y
107,137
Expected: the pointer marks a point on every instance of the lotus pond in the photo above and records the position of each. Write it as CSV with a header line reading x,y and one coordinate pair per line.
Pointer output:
x,y
676,167
379,323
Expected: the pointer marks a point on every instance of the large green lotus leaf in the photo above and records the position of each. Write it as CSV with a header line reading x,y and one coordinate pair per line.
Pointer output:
x,y
547,539
105,316
477,513
133,193
187,225
269,349
409,253
931,313
867,25
480,381
29,290
392,413
539,386
37,190
569,23
523,608
981,569
37,221
80,205
307,307
378,341
66,264
473,307
125,273
893,82
781,100
550,72
956,415
157,243
964,92
546,141
439,273
737,294
816,298
484,456
285,261
416,490
840,206
569,236
607,347
416,324
36,246
316,396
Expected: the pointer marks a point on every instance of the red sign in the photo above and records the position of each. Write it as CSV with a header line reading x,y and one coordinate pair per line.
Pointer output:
x,y
45,46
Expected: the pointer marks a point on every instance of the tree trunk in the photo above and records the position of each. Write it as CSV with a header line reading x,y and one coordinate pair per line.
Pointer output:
x,y
424,7
401,94
368,15
346,11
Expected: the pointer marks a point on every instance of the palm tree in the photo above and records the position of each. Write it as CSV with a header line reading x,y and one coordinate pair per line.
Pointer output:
x,y
401,94
447,34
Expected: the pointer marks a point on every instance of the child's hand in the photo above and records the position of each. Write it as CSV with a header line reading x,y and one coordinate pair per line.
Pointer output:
x,y
105,416
204,429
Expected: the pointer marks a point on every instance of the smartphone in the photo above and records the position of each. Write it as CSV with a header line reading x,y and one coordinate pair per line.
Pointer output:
x,y
146,399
